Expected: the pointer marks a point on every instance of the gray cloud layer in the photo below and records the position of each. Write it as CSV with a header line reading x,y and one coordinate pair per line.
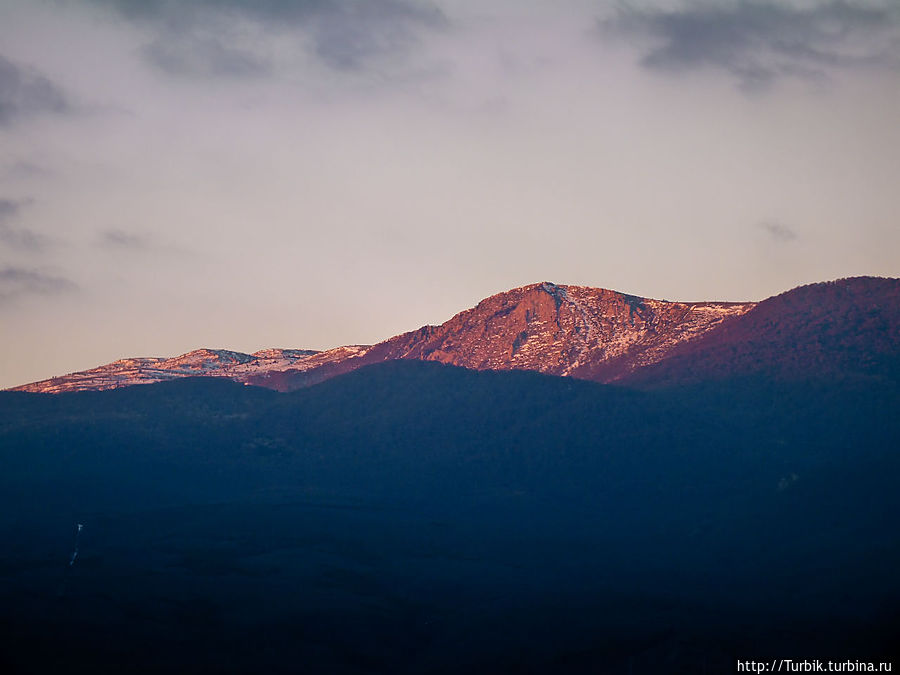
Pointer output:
x,y
25,92
200,56
209,38
760,42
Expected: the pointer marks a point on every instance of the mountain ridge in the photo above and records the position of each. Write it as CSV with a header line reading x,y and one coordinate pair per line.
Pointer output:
x,y
565,330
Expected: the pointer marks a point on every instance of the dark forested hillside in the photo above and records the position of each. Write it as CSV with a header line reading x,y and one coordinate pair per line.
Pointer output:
x,y
415,517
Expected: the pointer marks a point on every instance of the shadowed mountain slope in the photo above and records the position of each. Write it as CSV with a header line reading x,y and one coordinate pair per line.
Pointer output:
x,y
844,328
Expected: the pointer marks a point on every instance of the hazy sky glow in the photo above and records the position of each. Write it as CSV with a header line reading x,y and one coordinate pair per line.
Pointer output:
x,y
247,174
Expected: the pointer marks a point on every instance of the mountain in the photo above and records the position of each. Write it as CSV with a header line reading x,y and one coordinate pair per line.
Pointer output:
x,y
589,333
594,334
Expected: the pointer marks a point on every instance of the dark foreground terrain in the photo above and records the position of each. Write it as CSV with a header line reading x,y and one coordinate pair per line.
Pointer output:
x,y
411,518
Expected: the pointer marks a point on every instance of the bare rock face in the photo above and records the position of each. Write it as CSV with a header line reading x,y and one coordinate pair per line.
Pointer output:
x,y
590,333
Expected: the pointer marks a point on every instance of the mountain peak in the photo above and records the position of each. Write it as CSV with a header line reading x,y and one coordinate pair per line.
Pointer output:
x,y
562,330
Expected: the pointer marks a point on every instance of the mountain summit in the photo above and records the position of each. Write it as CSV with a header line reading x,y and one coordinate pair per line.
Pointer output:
x,y
590,333
577,331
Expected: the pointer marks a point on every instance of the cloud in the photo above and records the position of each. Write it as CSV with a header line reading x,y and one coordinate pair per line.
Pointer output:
x,y
25,92
203,57
18,237
119,241
778,231
123,240
8,209
758,43
229,38
18,282
26,169
350,35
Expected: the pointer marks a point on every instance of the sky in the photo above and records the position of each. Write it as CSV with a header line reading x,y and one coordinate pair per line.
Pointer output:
x,y
271,173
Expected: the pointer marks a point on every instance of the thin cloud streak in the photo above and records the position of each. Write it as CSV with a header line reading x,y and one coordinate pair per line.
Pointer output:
x,y
116,241
778,231
26,169
123,240
20,282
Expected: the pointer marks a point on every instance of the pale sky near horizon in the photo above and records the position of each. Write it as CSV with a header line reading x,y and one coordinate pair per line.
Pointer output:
x,y
246,174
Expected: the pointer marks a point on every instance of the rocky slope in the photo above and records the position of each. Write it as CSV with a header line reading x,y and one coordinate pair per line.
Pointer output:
x,y
206,362
590,333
